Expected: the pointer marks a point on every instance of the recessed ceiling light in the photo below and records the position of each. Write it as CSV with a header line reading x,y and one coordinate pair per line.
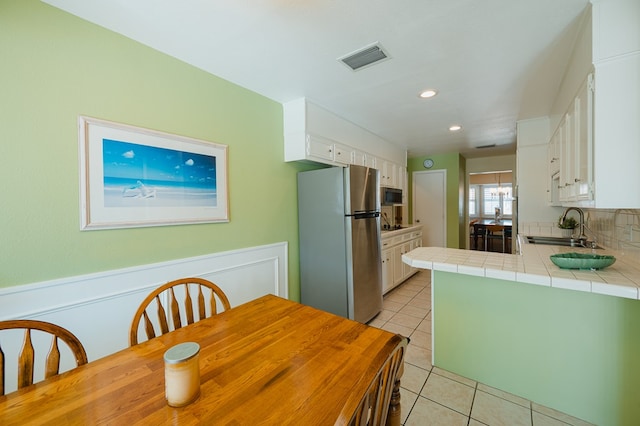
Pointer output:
x,y
429,93
455,128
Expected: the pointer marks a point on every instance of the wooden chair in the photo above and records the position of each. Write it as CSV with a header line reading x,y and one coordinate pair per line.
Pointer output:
x,y
26,357
494,232
187,288
381,404
476,231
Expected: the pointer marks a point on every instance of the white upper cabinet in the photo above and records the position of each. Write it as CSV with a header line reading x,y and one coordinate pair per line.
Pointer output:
x,y
314,134
320,149
359,158
571,149
598,136
616,29
554,154
583,142
371,161
344,154
616,129
388,174
402,183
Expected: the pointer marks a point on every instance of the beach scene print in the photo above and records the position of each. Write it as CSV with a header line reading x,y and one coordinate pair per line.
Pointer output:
x,y
146,176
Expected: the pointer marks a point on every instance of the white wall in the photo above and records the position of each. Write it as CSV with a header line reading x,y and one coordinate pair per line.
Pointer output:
x,y
98,308
491,164
532,173
580,64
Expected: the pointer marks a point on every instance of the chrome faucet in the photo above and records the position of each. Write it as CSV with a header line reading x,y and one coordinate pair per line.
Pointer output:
x,y
582,237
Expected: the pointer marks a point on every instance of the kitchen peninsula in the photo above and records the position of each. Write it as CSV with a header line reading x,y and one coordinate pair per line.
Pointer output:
x,y
562,338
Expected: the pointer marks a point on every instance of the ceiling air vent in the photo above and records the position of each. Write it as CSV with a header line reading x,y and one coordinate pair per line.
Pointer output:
x,y
365,56
486,146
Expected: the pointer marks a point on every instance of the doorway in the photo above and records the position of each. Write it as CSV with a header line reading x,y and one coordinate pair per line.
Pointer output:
x,y
430,206
490,202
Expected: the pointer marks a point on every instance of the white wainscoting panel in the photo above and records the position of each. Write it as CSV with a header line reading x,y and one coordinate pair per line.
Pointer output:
x,y
98,308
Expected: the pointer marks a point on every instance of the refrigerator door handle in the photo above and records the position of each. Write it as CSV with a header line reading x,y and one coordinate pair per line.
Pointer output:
x,y
364,215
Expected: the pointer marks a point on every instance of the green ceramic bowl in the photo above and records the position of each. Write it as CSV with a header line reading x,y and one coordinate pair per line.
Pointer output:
x,y
582,260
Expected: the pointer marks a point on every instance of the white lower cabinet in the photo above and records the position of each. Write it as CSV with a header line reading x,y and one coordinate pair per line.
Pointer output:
x,y
394,245
387,270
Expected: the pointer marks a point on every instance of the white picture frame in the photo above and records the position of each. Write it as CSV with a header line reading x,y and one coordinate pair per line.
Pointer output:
x,y
136,177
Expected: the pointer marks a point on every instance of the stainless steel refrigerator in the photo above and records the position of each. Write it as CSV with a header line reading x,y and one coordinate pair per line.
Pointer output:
x,y
339,229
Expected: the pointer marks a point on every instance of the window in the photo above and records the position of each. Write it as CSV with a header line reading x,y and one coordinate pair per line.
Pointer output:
x,y
473,202
492,196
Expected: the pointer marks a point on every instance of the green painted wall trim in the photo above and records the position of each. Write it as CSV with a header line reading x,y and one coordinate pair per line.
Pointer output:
x,y
453,163
55,67
573,351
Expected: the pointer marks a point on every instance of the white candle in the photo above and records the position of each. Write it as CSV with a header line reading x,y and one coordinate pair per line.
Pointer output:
x,y
182,374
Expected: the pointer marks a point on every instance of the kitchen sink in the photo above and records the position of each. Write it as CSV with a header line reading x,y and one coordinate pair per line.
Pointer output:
x,y
559,241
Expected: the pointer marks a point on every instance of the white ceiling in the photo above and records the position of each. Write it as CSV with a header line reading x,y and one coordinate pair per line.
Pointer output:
x,y
492,61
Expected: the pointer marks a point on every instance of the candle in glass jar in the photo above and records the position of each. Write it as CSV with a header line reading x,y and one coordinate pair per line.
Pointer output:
x,y
182,374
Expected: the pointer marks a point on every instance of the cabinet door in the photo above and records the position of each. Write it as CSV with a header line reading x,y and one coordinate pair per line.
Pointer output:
x,y
320,148
359,158
343,154
398,269
402,182
388,174
372,161
387,270
407,269
583,113
562,170
567,169
554,154
413,244
393,175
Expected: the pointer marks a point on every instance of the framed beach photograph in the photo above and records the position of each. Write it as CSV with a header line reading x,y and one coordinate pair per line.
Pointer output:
x,y
134,177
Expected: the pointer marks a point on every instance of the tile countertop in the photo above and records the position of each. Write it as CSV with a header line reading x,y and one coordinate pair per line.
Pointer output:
x,y
533,266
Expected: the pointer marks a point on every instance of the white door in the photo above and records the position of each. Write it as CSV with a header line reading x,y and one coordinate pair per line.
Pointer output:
x,y
430,206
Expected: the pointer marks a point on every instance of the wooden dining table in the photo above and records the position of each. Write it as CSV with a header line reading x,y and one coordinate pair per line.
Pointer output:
x,y
268,361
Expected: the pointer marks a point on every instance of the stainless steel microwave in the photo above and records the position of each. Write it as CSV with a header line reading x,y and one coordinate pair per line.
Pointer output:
x,y
390,196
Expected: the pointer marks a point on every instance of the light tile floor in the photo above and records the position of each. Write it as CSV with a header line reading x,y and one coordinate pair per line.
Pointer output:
x,y
432,396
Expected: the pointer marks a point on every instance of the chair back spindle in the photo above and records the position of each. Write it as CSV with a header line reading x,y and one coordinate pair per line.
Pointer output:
x,y
27,355
179,307
383,395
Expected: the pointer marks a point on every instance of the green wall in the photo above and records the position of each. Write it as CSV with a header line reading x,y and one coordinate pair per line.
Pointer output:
x,y
454,164
54,67
573,351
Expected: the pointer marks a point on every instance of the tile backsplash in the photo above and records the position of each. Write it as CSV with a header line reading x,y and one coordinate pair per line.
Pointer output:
x,y
617,230
393,216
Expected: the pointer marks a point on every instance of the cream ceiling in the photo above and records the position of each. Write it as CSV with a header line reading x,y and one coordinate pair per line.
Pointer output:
x,y
493,62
